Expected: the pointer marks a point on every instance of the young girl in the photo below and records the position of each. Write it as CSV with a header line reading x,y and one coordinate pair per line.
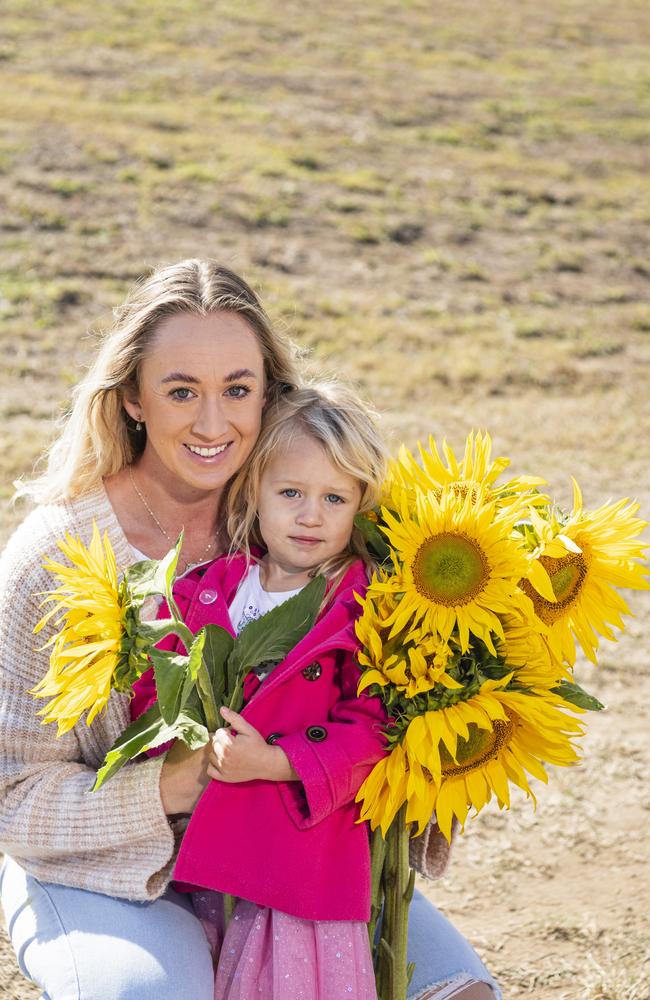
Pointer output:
x,y
276,828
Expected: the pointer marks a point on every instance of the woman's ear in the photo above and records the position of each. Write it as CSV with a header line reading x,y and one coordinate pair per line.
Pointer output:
x,y
131,402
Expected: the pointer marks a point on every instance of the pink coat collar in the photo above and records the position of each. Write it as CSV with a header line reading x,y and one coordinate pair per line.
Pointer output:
x,y
334,629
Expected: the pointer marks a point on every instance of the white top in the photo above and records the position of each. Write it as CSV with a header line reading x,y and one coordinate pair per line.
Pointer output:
x,y
251,600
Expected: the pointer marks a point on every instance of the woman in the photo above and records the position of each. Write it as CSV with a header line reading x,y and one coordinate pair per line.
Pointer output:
x,y
164,418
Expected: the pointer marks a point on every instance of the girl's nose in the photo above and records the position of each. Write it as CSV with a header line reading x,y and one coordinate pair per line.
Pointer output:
x,y
309,513
210,422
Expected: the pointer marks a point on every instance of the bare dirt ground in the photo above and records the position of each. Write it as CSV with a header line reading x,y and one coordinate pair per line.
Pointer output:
x,y
450,206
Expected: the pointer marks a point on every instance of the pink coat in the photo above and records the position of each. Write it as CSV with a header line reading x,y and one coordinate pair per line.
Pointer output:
x,y
294,846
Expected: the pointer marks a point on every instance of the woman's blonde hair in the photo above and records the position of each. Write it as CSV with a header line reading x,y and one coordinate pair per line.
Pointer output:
x,y
98,438
345,427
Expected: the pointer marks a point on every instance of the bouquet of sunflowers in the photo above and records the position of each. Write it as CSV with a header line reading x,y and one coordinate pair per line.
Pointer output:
x,y
468,634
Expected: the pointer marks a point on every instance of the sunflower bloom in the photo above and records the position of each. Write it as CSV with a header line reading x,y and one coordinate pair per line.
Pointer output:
x,y
384,790
457,758
476,470
90,650
457,564
410,664
527,653
585,559
520,734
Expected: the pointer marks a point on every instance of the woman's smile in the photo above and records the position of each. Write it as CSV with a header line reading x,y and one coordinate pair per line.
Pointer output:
x,y
207,453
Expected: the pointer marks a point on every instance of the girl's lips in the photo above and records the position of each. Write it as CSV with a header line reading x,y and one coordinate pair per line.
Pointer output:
x,y
305,540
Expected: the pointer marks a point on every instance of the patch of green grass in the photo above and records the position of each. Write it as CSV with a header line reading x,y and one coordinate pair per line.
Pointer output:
x,y
365,180
67,187
641,319
539,327
597,346
564,260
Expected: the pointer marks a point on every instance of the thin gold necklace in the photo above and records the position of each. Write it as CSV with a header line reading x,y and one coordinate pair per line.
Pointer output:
x,y
142,498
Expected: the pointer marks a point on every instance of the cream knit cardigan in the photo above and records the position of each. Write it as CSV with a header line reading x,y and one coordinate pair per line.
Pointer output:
x,y
117,841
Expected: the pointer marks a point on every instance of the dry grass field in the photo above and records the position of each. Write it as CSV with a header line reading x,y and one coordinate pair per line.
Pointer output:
x,y
450,204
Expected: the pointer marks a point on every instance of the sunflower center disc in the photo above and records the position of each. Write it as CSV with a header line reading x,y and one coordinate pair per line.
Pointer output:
x,y
567,576
473,753
450,569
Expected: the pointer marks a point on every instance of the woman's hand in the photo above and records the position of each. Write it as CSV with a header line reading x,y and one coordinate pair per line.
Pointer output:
x,y
183,778
246,755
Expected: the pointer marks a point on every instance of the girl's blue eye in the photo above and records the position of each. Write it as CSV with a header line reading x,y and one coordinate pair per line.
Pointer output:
x,y
334,498
182,393
238,391
290,493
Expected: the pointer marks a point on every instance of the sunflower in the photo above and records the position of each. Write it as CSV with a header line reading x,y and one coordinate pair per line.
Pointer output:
x,y
586,558
385,789
90,651
410,664
456,758
526,652
457,564
477,469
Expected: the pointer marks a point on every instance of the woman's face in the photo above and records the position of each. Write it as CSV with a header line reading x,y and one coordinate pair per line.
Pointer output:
x,y
200,397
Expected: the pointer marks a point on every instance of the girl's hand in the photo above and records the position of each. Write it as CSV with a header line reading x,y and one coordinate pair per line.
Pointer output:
x,y
246,755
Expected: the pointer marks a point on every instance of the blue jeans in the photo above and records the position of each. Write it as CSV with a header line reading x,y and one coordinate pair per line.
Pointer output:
x,y
79,945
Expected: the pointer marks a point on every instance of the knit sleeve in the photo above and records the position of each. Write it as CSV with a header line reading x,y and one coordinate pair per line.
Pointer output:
x,y
430,852
116,841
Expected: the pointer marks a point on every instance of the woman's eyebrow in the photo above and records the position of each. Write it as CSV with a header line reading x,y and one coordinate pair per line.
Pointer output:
x,y
181,377
193,380
240,373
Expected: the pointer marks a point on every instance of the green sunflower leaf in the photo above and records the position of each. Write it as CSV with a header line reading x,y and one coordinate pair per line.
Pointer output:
x,y
576,695
373,537
154,576
273,635
171,672
217,648
148,732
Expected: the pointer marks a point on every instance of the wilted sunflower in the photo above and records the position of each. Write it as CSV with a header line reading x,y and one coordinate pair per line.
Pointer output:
x,y
90,651
456,564
586,558
477,469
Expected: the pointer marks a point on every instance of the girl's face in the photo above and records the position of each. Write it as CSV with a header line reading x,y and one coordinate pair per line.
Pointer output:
x,y
200,397
306,507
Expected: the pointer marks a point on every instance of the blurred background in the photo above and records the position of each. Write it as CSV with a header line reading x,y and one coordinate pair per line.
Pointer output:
x,y
448,203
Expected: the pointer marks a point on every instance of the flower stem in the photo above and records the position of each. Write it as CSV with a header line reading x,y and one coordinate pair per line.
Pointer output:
x,y
377,857
204,687
229,903
393,974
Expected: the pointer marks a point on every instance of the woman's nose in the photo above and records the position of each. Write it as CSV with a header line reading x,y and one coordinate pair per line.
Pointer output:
x,y
210,421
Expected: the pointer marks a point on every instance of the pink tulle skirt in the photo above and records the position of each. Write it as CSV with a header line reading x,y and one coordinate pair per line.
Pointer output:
x,y
275,956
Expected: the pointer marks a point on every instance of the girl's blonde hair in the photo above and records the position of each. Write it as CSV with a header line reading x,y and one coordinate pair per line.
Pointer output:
x,y
332,414
98,438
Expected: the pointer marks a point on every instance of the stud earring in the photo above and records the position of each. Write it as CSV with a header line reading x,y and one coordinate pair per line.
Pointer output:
x,y
138,425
